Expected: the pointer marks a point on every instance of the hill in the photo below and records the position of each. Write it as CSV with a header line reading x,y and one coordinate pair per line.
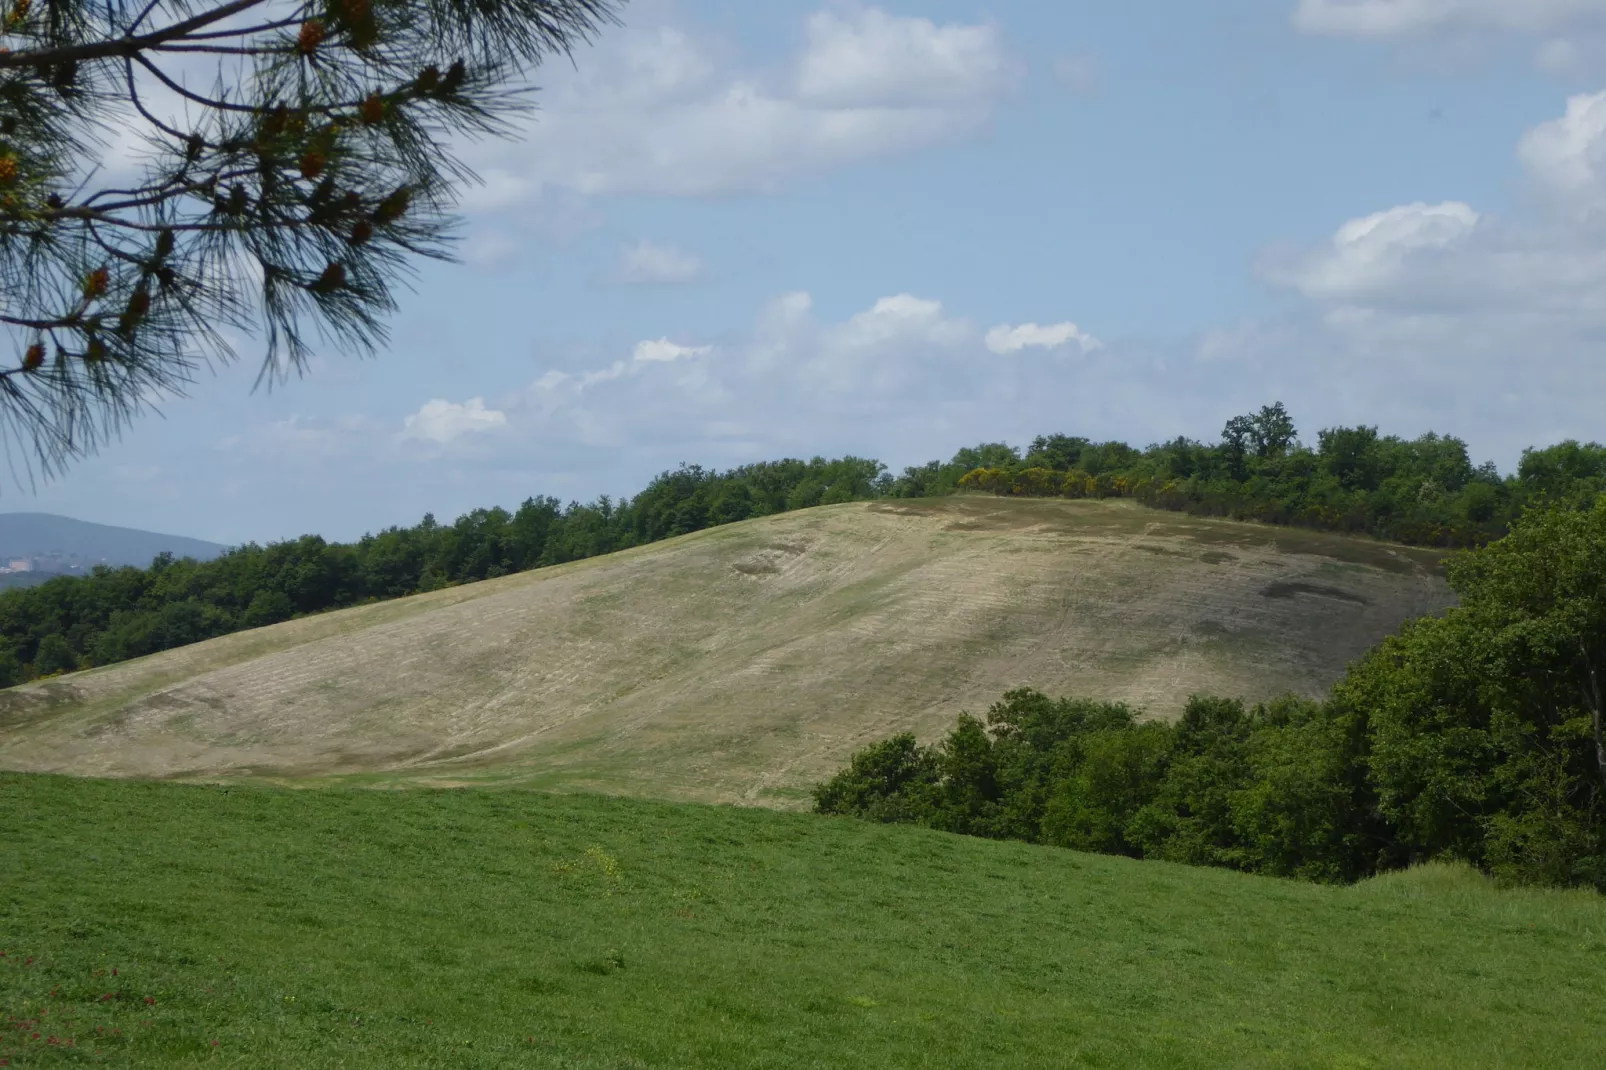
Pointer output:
x,y
746,662
1424,492
82,544
269,928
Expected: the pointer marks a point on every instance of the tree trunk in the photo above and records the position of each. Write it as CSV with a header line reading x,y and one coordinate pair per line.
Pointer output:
x,y
1592,693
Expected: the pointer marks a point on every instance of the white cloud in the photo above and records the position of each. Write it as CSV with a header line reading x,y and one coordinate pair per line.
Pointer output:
x,y
906,379
892,319
1398,18
1369,254
654,110
1539,272
647,264
872,59
663,351
793,305
1006,339
1566,156
903,370
442,421
489,248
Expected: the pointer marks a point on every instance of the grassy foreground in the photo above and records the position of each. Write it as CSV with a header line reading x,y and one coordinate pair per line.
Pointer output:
x,y
147,924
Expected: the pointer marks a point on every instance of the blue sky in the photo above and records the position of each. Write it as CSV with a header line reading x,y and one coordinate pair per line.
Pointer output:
x,y
742,231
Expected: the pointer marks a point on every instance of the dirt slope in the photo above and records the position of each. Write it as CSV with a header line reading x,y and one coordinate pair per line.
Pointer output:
x,y
746,662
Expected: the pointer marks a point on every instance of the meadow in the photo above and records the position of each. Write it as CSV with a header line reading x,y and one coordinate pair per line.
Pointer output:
x,y
160,924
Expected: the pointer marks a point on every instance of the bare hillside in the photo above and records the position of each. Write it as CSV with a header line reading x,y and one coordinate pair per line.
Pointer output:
x,y
746,662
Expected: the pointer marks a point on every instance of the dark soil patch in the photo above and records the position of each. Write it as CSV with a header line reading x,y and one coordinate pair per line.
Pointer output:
x,y
1289,590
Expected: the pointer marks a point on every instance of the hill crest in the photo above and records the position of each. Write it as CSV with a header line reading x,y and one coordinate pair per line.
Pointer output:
x,y
744,662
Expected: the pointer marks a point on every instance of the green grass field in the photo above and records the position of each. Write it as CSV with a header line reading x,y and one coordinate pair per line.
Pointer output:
x,y
150,924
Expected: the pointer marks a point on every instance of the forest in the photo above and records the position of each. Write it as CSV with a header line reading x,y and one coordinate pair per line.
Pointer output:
x,y
1475,736
1424,491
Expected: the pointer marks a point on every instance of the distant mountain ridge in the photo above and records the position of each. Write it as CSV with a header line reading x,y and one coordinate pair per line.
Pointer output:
x,y
60,544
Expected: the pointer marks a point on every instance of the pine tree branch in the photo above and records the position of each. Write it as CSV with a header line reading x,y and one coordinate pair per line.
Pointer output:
x,y
126,45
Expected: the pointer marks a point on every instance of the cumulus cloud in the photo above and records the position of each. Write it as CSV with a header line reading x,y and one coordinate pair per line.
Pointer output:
x,y
1398,18
893,319
653,109
1544,263
647,264
663,351
1006,339
1376,252
902,377
440,421
872,59
1565,157
907,378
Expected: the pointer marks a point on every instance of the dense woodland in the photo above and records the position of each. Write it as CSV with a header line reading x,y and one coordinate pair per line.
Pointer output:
x,y
1424,491
1476,735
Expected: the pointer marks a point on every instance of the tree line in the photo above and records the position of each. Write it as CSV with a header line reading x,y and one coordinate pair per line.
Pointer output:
x,y
1476,735
1424,491
113,614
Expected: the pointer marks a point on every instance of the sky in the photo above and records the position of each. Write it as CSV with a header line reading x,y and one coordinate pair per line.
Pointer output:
x,y
736,232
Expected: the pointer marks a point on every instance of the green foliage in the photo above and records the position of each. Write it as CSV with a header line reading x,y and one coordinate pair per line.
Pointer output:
x,y
472,929
1487,724
1565,472
1114,774
1277,789
886,781
54,656
1478,736
936,478
1423,491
